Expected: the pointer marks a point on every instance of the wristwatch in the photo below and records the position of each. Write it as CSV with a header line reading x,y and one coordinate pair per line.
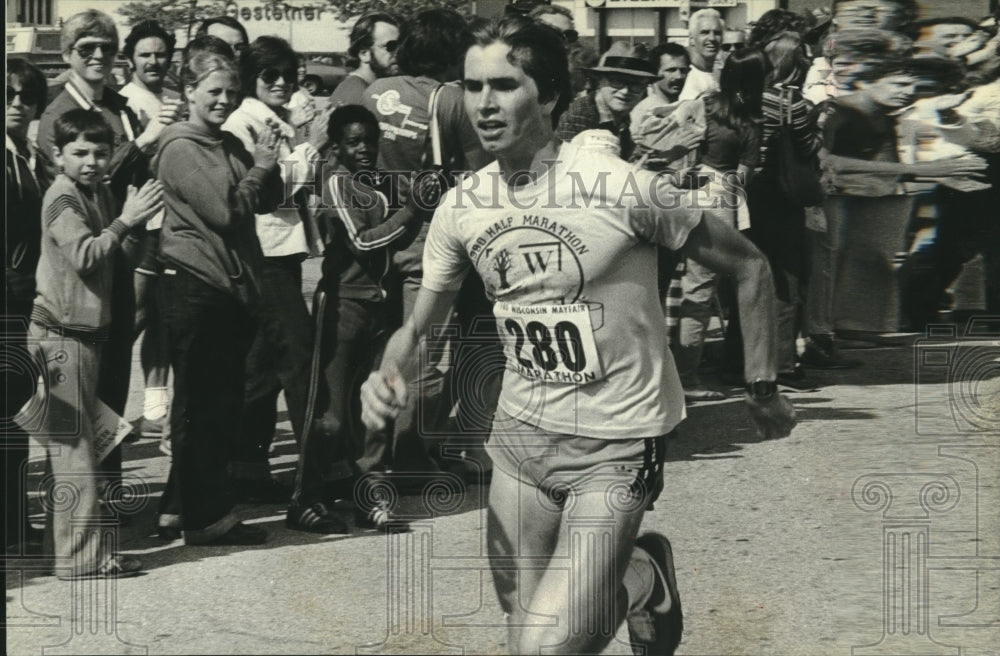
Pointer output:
x,y
762,390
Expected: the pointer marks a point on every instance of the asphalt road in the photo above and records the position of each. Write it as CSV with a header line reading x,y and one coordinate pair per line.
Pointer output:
x,y
873,524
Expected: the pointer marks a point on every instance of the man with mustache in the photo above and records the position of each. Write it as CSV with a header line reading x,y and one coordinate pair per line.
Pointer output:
x,y
149,49
705,29
673,64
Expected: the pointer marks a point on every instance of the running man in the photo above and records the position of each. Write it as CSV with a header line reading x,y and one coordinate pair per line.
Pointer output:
x,y
565,242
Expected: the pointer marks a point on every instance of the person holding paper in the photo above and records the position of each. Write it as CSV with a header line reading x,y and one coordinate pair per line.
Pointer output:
x,y
71,322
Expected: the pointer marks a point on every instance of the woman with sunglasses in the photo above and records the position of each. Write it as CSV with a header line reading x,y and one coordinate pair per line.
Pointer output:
x,y
25,183
210,285
281,355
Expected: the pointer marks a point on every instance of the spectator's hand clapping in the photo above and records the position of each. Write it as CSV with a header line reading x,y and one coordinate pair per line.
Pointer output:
x,y
773,417
265,152
142,204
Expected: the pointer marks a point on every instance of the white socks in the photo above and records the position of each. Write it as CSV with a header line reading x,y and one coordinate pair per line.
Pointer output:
x,y
155,403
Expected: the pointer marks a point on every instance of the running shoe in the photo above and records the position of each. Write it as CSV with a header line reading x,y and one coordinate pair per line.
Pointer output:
x,y
652,632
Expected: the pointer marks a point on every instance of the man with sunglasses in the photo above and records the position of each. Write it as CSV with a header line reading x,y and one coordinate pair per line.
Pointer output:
x,y
374,39
89,43
732,40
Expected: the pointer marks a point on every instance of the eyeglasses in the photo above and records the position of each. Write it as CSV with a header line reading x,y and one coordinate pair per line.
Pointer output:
x,y
618,83
389,46
87,50
726,47
271,75
570,36
27,97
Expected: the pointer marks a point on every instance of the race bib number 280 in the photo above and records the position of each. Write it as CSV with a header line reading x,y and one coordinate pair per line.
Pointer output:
x,y
550,343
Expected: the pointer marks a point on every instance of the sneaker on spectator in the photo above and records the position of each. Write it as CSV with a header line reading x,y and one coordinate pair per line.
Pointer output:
x,y
315,518
380,518
652,631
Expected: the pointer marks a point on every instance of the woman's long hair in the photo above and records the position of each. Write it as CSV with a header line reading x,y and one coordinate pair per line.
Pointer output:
x,y
741,94
787,59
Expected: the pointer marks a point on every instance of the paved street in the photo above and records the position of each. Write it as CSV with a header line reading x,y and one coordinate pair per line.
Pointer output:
x,y
780,545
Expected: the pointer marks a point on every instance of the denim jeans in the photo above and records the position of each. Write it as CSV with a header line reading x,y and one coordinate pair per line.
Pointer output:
x,y
209,333
279,359
116,356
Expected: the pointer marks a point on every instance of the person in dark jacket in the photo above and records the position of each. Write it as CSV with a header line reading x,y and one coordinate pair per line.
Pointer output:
x,y
211,258
25,182
352,309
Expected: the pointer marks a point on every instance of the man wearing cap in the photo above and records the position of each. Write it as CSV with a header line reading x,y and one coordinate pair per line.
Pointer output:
x,y
705,29
621,84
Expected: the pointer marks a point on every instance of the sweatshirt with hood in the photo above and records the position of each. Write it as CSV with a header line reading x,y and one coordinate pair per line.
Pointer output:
x,y
212,191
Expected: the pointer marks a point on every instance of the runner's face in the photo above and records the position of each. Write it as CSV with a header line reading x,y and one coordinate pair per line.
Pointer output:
x,y
357,149
151,60
383,50
214,99
502,103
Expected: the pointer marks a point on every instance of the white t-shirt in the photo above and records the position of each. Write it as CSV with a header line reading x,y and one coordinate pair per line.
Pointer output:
x,y
146,106
144,102
698,82
572,268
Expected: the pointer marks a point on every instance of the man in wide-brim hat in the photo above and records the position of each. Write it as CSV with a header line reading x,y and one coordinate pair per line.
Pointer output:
x,y
619,82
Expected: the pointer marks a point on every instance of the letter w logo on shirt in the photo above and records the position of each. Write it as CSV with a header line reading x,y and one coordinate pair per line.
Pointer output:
x,y
538,256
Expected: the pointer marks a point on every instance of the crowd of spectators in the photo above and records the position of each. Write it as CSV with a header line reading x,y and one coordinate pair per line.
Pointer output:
x,y
186,218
